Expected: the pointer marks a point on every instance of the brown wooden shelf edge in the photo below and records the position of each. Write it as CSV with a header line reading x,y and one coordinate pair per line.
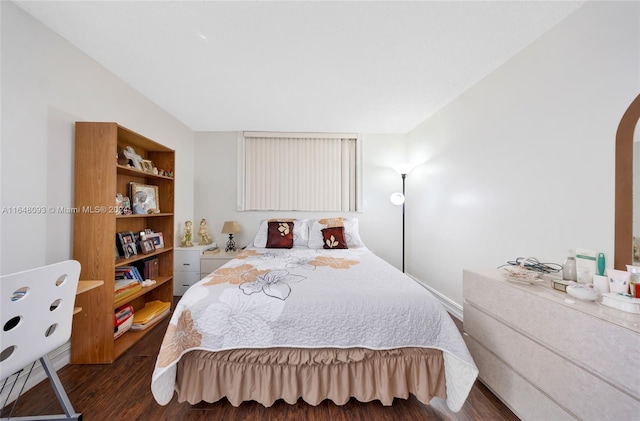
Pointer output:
x,y
144,215
84,286
123,169
121,261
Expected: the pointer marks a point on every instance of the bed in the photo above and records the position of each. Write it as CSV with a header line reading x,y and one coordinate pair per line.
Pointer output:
x,y
309,312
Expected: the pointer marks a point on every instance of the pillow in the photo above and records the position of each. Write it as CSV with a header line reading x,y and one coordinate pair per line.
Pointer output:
x,y
351,235
300,232
334,238
280,235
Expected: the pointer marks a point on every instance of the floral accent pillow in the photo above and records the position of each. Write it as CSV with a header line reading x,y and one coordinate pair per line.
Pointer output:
x,y
280,235
350,225
300,232
334,238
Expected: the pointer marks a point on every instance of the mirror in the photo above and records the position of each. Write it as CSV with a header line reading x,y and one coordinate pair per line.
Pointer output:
x,y
623,227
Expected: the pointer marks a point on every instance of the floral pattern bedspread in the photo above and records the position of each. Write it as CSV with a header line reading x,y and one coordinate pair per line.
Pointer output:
x,y
311,298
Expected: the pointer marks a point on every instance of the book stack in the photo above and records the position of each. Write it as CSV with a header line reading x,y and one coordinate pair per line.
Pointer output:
x,y
152,312
124,288
127,282
122,320
128,272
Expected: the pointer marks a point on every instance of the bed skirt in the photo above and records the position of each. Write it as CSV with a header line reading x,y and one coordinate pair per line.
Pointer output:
x,y
266,375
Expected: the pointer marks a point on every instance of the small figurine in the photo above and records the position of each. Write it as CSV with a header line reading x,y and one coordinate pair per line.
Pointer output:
x,y
186,239
203,232
119,200
126,206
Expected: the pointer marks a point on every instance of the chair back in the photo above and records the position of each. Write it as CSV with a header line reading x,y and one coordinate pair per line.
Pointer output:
x,y
36,307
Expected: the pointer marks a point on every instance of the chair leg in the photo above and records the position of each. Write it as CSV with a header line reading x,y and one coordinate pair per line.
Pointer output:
x,y
69,412
59,389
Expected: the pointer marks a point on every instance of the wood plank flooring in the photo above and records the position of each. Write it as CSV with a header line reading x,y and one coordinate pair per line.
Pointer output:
x,y
121,391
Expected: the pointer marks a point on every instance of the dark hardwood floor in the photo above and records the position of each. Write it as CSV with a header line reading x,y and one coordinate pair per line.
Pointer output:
x,y
121,391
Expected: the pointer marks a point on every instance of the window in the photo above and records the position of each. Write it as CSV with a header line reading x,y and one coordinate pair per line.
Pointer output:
x,y
298,171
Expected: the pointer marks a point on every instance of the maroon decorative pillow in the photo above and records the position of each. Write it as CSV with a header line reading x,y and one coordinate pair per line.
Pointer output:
x,y
333,238
280,235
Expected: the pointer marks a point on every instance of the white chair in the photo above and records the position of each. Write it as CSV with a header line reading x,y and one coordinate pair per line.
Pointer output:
x,y
37,311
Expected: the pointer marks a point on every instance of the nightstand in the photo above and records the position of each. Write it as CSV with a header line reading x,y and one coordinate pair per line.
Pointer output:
x,y
211,262
186,267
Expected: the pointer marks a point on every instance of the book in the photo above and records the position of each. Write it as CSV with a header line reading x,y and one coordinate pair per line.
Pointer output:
x,y
151,310
211,250
150,269
122,328
121,314
122,294
122,284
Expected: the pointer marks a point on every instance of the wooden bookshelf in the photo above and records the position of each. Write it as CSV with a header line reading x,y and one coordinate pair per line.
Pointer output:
x,y
98,178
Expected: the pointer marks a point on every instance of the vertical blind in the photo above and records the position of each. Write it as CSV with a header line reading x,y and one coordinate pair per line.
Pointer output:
x,y
305,172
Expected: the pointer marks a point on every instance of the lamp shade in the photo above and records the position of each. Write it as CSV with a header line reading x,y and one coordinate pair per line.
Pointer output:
x,y
404,168
230,227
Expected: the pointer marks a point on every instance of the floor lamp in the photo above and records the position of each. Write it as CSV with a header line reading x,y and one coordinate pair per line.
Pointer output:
x,y
399,199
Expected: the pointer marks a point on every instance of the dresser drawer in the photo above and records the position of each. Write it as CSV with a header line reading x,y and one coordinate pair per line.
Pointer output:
x,y
187,260
566,329
524,399
564,379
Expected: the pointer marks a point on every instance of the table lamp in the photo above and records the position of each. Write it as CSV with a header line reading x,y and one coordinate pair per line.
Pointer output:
x,y
230,227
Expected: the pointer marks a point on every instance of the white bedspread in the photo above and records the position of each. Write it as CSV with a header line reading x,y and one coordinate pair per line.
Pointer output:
x,y
307,298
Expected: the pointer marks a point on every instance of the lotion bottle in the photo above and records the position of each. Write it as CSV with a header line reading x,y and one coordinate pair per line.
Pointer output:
x,y
569,272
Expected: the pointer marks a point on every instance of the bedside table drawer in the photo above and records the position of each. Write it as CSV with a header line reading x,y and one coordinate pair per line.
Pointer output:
x,y
183,280
187,260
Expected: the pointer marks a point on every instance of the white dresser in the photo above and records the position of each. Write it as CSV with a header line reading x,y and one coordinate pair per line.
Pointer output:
x,y
190,265
550,359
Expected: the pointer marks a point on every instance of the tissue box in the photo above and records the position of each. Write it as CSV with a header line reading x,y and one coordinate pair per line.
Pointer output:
x,y
621,302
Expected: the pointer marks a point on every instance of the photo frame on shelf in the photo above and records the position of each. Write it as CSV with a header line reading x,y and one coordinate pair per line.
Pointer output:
x,y
127,244
158,240
144,198
147,165
147,246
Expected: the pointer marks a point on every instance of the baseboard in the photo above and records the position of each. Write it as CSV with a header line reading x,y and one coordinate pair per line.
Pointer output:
x,y
452,307
59,358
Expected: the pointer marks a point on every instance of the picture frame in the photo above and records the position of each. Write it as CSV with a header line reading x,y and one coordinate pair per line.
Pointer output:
x,y
127,243
147,246
147,165
144,198
158,240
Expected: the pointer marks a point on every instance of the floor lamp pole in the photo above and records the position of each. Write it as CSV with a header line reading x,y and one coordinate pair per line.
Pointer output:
x,y
404,176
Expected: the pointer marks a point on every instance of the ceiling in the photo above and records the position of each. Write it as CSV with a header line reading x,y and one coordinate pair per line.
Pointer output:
x,y
322,66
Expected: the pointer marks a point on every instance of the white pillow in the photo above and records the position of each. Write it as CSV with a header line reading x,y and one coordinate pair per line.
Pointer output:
x,y
351,234
300,232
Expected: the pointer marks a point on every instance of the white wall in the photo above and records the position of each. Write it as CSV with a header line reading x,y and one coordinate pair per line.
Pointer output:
x,y
46,86
380,221
522,164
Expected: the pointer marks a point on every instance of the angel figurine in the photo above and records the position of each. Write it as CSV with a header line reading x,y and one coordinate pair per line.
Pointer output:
x,y
186,239
203,232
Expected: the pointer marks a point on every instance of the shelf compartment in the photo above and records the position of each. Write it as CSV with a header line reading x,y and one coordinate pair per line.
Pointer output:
x,y
160,280
127,340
